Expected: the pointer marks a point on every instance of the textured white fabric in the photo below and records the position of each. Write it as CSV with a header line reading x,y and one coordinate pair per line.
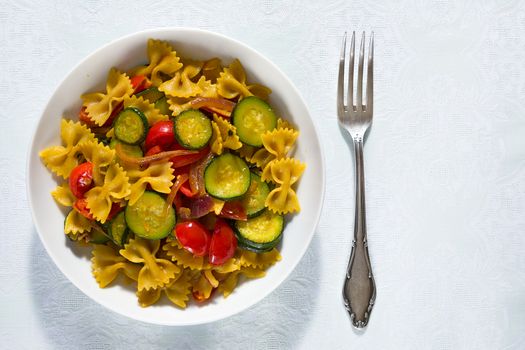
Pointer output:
x,y
444,163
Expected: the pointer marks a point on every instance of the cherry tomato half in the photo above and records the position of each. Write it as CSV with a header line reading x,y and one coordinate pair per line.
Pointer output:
x,y
160,134
193,236
185,189
223,243
81,179
139,83
83,116
81,206
153,150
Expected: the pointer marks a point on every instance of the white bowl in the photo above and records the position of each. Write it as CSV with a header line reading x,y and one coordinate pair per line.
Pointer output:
x,y
90,74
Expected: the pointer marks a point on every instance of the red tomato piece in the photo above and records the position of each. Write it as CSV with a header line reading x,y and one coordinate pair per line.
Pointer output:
x,y
81,179
80,205
83,116
154,150
186,190
139,83
160,134
193,236
187,159
115,209
223,243
234,210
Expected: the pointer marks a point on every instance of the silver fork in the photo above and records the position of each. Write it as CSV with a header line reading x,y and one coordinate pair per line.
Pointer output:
x,y
359,291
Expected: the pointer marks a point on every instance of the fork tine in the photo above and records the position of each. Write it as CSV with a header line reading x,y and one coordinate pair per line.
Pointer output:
x,y
359,97
370,76
350,92
340,81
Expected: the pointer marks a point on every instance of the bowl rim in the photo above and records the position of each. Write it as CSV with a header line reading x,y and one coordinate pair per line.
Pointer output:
x,y
279,279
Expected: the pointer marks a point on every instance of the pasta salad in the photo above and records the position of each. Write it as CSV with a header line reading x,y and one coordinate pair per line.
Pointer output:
x,y
179,175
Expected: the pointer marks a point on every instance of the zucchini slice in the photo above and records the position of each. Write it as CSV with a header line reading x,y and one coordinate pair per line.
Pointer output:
x,y
163,106
192,129
260,234
131,150
96,237
148,217
131,126
253,117
253,200
118,230
151,94
227,177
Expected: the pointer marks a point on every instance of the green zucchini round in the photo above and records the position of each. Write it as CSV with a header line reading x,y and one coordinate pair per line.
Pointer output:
x,y
253,201
131,126
253,117
260,234
151,94
192,129
227,177
118,230
148,218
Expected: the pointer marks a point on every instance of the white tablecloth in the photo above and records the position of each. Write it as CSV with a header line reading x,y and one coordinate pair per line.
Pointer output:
x,y
445,174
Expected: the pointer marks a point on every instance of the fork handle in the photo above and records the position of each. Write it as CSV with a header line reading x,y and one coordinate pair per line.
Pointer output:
x,y
359,291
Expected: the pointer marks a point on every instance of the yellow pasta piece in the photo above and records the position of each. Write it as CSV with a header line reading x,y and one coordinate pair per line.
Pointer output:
x,y
211,69
207,88
115,187
155,272
262,157
98,154
63,196
151,113
201,288
217,205
62,159
76,223
178,291
181,85
179,104
232,83
283,199
158,175
216,139
227,286
211,278
246,152
253,272
279,141
259,260
106,263
163,60
183,257
173,288
284,124
228,133
99,106
148,297
234,264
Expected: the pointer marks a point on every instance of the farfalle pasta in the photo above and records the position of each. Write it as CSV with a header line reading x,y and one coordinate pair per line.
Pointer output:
x,y
99,106
62,159
154,272
178,175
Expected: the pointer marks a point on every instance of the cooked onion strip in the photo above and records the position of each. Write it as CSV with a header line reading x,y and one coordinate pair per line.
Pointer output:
x,y
197,175
181,179
213,103
144,162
